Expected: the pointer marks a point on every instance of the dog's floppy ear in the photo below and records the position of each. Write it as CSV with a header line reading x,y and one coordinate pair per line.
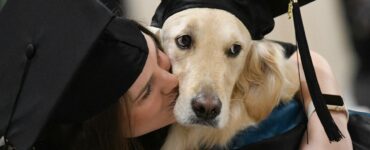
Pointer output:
x,y
267,77
155,30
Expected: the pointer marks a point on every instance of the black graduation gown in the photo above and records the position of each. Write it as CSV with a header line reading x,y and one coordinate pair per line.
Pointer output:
x,y
62,60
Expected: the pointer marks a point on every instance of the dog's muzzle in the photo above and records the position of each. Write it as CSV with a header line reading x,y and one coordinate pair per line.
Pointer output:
x,y
206,108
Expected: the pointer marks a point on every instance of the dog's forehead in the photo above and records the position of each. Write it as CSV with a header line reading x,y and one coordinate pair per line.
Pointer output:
x,y
205,20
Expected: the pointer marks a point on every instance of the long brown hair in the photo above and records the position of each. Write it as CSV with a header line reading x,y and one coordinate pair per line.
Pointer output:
x,y
105,130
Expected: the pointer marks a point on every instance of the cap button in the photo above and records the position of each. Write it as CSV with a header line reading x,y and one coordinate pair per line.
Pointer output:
x,y
30,51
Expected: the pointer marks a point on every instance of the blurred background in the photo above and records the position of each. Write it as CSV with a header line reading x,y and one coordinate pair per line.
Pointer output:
x,y
337,29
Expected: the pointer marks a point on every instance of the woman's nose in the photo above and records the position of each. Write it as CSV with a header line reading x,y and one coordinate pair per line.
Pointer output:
x,y
171,85
170,81
164,61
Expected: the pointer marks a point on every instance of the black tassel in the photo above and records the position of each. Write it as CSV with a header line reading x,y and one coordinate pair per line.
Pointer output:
x,y
331,129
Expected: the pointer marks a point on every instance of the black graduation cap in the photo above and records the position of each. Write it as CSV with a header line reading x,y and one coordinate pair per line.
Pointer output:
x,y
258,16
62,61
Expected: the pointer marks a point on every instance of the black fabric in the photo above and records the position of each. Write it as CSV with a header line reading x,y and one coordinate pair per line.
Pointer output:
x,y
62,60
256,15
287,141
115,6
279,7
333,100
154,140
359,129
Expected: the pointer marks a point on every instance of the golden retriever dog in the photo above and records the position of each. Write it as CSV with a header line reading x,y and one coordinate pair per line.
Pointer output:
x,y
227,80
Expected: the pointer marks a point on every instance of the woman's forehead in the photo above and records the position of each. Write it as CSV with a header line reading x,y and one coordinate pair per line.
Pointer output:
x,y
147,71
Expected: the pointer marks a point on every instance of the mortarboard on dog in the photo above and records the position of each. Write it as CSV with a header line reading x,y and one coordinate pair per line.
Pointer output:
x,y
63,61
256,15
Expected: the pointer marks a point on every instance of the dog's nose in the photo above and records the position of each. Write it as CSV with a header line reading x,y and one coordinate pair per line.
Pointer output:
x,y
206,106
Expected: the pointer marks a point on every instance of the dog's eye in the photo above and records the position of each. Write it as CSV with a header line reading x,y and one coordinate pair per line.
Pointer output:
x,y
183,42
234,50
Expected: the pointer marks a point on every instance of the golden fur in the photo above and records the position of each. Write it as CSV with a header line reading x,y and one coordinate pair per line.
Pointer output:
x,y
249,85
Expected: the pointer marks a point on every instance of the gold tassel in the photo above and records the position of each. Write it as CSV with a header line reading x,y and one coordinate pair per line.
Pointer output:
x,y
290,10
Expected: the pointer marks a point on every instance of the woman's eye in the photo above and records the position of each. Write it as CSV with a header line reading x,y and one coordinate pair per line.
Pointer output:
x,y
148,90
184,41
234,50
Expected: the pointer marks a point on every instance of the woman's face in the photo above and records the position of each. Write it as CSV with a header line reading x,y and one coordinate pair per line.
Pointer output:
x,y
153,93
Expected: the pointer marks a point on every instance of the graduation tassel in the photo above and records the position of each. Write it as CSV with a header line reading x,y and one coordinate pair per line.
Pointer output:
x,y
331,129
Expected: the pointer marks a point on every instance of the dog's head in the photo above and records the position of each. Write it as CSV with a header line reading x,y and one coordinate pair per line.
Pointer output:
x,y
217,63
